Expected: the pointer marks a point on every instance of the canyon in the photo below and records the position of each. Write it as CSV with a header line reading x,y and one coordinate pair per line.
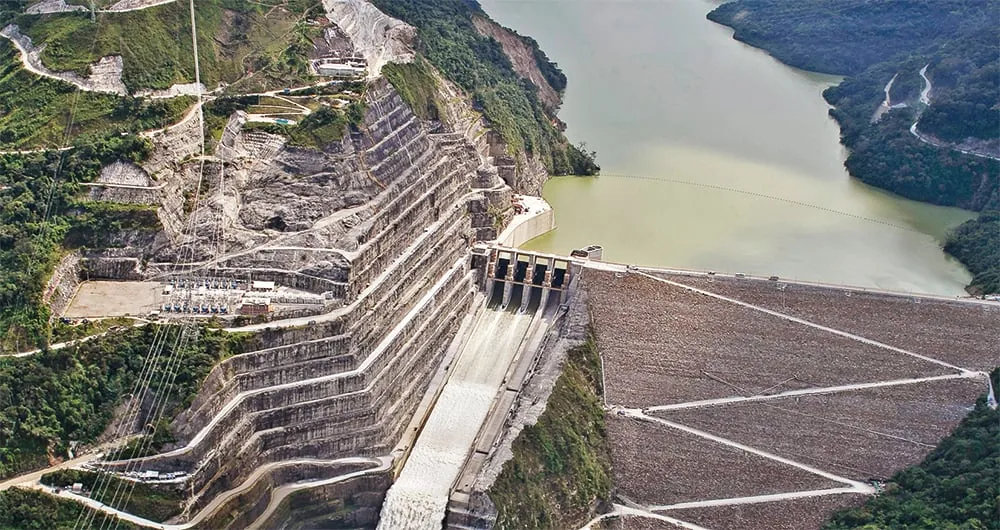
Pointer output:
x,y
397,342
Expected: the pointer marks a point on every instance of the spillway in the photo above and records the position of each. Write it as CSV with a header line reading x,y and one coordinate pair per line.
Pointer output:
x,y
419,497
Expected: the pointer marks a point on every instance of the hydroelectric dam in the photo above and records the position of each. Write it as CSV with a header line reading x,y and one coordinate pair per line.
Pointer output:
x,y
362,280
522,298
403,341
385,342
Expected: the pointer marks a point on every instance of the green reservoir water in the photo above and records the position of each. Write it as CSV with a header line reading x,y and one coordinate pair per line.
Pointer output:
x,y
742,167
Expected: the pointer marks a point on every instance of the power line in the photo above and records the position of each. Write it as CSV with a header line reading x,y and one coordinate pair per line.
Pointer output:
x,y
122,493
187,329
759,195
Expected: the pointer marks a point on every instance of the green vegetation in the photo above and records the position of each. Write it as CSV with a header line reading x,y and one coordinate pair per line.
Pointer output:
x,y
417,85
847,36
976,243
153,503
322,126
24,509
873,41
561,469
217,113
450,41
319,128
957,487
101,224
37,111
550,70
38,208
52,398
234,38
64,331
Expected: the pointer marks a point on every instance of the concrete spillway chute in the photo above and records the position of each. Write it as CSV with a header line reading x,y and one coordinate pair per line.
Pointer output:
x,y
508,328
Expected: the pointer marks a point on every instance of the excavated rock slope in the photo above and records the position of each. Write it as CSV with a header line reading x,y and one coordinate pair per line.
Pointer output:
x,y
381,221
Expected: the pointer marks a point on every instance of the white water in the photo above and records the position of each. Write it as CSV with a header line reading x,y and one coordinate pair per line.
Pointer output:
x,y
419,497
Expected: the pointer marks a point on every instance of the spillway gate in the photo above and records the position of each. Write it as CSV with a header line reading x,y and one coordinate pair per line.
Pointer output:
x,y
525,280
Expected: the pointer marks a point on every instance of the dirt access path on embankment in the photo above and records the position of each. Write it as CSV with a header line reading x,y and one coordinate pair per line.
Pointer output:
x,y
763,401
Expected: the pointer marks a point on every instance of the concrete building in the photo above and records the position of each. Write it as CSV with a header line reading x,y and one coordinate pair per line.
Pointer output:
x,y
591,252
341,68
255,306
259,286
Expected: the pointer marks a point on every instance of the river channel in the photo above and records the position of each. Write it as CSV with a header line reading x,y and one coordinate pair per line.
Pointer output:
x,y
741,168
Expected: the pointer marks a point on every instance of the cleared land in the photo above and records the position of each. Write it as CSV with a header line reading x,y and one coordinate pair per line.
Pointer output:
x,y
859,434
719,372
113,299
678,346
961,333
797,514
657,465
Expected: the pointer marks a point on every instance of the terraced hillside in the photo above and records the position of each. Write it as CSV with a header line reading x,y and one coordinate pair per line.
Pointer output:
x,y
360,210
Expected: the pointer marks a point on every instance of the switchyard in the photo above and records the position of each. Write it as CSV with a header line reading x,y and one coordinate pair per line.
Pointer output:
x,y
184,297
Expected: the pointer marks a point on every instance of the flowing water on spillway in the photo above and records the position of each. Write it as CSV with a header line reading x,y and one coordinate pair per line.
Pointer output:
x,y
419,497
746,164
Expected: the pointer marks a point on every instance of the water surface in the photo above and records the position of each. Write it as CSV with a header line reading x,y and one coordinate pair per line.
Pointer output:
x,y
741,167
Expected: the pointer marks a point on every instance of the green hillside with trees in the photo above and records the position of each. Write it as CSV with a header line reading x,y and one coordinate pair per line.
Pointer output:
x,y
52,398
560,473
41,216
40,112
25,509
449,40
234,37
870,42
957,487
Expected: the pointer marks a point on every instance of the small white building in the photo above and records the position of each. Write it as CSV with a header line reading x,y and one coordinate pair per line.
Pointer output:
x,y
341,68
262,286
591,252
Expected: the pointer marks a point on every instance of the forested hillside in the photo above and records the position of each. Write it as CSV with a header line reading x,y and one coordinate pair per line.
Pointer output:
x,y
26,509
234,36
449,39
957,487
560,473
38,213
52,398
945,152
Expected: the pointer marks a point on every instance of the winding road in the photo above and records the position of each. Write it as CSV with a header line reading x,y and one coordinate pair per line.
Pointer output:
x,y
379,464
925,100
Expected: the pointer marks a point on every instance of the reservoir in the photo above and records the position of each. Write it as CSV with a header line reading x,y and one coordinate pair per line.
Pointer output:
x,y
715,156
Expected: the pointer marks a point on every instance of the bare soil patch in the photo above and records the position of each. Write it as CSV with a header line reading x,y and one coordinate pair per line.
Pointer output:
x,y
657,465
797,514
860,434
113,299
663,344
961,333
